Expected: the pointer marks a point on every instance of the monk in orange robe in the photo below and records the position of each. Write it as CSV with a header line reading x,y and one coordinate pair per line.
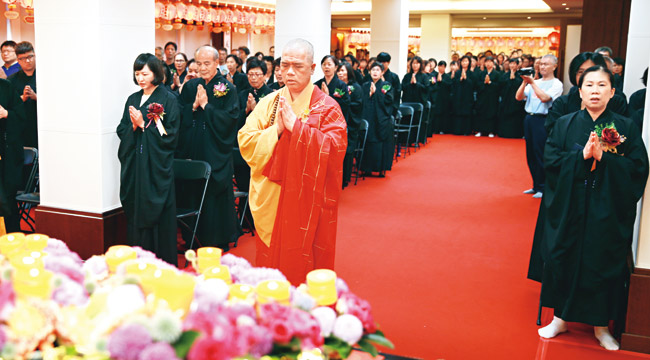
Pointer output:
x,y
295,141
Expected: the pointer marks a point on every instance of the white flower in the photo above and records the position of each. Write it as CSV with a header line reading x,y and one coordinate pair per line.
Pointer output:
x,y
165,326
124,300
326,318
348,328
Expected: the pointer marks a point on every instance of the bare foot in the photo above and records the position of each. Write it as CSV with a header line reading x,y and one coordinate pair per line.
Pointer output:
x,y
606,339
556,327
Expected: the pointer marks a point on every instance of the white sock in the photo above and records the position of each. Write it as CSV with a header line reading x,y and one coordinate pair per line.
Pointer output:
x,y
606,339
556,327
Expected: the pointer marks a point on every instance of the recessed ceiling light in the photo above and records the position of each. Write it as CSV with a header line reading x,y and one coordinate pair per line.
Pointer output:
x,y
364,19
563,4
484,18
529,18
567,8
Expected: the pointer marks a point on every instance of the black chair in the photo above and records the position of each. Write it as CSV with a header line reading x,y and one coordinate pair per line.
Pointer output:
x,y
416,124
403,129
358,152
191,170
30,196
427,123
241,197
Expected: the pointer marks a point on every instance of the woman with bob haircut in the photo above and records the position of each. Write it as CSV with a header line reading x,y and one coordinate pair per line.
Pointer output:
x,y
148,135
377,110
347,75
596,169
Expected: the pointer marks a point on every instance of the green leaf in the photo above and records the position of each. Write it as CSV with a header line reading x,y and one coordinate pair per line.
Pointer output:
x,y
334,344
379,340
368,347
290,350
183,345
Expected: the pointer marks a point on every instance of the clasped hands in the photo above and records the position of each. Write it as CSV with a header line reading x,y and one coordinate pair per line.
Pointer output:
x,y
28,93
201,98
285,118
136,118
593,148
3,113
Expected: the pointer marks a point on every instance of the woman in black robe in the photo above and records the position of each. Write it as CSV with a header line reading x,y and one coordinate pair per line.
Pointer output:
x,y
462,100
415,88
511,112
441,104
331,85
590,199
487,99
179,72
432,78
377,108
148,136
347,75
12,125
235,77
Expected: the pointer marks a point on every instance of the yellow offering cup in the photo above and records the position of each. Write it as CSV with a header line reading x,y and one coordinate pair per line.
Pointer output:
x,y
321,285
118,254
11,243
36,242
24,261
176,288
241,292
273,290
208,257
33,282
218,272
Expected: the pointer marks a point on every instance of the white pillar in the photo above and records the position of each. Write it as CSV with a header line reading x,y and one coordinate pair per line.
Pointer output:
x,y
389,22
81,100
571,49
436,36
637,59
309,20
638,51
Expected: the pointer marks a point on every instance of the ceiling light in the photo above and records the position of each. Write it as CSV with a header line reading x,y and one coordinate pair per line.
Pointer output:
x,y
529,18
563,4
567,8
484,18
364,19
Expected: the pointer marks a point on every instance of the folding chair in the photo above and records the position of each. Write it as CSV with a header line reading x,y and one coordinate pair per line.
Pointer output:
x,y
403,128
358,152
416,124
426,119
191,170
242,196
29,197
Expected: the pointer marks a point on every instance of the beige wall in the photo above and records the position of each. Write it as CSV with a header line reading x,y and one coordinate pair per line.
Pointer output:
x,y
436,36
572,49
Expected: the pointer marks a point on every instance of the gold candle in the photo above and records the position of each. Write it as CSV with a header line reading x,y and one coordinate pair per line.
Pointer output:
x,y
118,254
208,257
241,292
273,290
321,285
36,242
34,282
176,288
12,242
218,272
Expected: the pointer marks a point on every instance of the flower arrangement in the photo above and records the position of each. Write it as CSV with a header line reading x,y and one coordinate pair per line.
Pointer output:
x,y
385,88
338,93
609,137
129,305
220,89
155,112
350,89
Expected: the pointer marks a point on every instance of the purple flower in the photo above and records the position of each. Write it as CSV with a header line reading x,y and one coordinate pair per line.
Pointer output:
x,y
220,87
253,276
127,342
143,254
157,351
231,260
70,293
65,265
95,266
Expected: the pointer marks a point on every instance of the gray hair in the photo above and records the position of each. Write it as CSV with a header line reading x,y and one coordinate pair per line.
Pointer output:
x,y
550,56
608,59
215,53
303,45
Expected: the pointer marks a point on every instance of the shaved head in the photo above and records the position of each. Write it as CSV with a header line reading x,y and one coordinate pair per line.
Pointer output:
x,y
209,49
301,45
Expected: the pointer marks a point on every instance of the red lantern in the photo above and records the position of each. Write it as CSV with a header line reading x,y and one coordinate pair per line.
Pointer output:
x,y
554,39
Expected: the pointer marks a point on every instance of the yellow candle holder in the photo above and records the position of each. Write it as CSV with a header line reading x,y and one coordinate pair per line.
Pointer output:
x,y
24,261
118,254
218,272
36,242
273,290
33,283
176,288
208,257
11,243
240,292
321,285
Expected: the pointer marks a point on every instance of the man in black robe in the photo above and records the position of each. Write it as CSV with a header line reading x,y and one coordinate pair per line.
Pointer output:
x,y
12,117
208,131
24,81
392,78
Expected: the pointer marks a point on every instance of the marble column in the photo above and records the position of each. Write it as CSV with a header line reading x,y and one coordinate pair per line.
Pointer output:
x,y
389,22
435,41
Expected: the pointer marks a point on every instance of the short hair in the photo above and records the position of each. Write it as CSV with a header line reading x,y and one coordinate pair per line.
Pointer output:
x,y
222,49
9,43
469,59
152,62
255,63
580,59
608,59
383,57
259,53
547,56
433,61
236,58
172,44
617,60
245,50
331,57
377,64
489,58
302,44
606,49
644,78
24,47
190,62
454,62
443,63
513,60
268,58
277,62
348,67
215,53
181,54
419,60
597,68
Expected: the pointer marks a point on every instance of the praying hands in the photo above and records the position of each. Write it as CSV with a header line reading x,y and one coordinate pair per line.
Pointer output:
x,y
136,118
286,117
593,148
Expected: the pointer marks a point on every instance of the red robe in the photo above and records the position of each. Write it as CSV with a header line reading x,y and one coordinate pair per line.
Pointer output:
x,y
308,165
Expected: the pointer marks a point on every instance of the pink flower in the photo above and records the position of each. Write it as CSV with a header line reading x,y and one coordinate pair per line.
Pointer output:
x,y
326,317
7,299
207,348
281,332
220,87
157,351
360,308
65,265
127,342
70,293
95,266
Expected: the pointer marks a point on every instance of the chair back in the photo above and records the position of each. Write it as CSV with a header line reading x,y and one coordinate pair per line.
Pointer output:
x,y
30,156
187,169
363,127
31,159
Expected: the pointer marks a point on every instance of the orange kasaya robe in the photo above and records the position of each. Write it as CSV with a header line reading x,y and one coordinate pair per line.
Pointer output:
x,y
301,172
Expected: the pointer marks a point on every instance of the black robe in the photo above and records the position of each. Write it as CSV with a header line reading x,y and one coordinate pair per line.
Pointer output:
x,y
147,176
209,134
441,106
338,90
511,111
589,218
11,154
462,103
240,80
418,92
487,101
353,119
432,90
396,85
636,107
30,133
276,86
377,110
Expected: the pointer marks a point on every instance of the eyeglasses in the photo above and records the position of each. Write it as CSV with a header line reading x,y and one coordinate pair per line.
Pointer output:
x,y
26,58
255,74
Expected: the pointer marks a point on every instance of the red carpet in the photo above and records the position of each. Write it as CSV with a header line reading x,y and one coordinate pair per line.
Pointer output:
x,y
440,248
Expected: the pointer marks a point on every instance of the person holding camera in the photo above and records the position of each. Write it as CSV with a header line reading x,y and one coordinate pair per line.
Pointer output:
x,y
539,95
